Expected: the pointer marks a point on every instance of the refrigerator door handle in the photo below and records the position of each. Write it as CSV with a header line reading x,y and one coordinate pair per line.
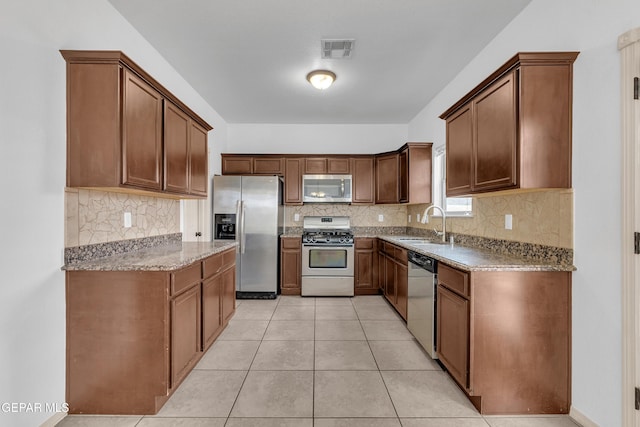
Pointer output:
x,y
238,221
243,234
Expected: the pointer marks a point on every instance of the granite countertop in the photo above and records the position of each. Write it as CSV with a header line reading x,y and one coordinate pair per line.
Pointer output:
x,y
159,258
474,259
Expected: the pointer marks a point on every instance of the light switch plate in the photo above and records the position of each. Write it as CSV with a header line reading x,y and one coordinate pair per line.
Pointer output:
x,y
380,218
409,219
127,219
296,217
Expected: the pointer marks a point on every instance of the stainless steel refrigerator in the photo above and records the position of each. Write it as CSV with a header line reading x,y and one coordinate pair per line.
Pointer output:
x,y
249,209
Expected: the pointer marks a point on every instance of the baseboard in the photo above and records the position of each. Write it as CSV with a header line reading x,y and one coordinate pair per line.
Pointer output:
x,y
54,419
581,418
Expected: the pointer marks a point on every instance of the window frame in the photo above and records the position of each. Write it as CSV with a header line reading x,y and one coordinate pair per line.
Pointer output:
x,y
453,206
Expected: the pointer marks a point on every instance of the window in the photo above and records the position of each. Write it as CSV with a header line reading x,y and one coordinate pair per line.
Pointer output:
x,y
453,206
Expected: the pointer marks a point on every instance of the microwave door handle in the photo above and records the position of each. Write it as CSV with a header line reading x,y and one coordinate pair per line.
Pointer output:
x,y
342,188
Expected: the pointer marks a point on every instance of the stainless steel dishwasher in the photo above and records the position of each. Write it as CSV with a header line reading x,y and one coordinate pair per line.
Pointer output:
x,y
421,306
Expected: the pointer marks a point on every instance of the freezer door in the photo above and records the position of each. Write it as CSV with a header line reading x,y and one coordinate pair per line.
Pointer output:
x,y
260,222
226,194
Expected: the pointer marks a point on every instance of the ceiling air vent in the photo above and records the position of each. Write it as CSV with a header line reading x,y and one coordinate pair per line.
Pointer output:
x,y
337,48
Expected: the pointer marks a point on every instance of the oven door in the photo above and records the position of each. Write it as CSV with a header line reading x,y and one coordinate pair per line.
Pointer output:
x,y
327,260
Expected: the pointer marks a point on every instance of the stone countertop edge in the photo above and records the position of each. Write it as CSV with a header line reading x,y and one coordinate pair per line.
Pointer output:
x,y
474,259
160,258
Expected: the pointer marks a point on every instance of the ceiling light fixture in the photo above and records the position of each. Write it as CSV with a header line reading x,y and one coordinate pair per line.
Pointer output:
x,y
321,79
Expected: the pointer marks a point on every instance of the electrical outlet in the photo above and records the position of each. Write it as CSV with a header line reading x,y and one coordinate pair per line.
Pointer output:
x,y
508,222
409,219
380,218
127,219
296,217
417,217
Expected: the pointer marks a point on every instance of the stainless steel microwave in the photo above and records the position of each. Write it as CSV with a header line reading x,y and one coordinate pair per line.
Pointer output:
x,y
326,188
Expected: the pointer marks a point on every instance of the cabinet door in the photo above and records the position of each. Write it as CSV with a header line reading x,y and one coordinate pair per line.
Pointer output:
x,y
387,178
402,288
228,294
363,180
403,175
185,333
453,334
293,181
390,279
198,161
495,138
237,165
365,266
142,134
459,151
176,149
211,309
268,165
338,166
290,266
382,276
315,165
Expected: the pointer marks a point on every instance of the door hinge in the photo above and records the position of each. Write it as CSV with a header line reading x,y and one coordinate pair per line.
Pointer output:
x,y
636,243
637,399
636,88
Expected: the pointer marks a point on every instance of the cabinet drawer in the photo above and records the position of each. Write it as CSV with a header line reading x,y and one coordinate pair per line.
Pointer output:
x,y
212,265
291,242
184,278
228,257
400,255
364,243
455,280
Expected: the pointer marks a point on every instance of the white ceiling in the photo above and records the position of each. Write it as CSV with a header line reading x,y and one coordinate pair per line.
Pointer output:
x,y
249,58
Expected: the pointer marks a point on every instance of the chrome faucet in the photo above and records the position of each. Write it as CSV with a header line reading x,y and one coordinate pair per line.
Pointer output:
x,y
425,220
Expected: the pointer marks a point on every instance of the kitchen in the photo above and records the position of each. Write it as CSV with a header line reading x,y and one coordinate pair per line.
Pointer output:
x,y
36,301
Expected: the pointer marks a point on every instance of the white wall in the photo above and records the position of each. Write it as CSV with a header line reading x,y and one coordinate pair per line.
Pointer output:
x,y
32,168
591,27
312,138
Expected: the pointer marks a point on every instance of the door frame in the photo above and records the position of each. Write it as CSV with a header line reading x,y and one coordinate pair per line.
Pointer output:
x,y
629,47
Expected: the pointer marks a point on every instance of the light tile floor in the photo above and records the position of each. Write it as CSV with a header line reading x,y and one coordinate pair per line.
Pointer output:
x,y
323,362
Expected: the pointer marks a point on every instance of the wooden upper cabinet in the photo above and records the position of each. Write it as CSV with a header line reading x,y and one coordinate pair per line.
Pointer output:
x,y
514,129
415,163
198,161
459,149
268,165
120,121
237,165
141,134
494,148
387,174
249,164
293,181
338,166
176,149
362,172
314,165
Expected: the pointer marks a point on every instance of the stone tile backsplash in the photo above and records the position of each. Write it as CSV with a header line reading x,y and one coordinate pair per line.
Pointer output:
x,y
93,216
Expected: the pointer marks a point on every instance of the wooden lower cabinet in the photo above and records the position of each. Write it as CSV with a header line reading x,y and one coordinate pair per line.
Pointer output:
x,y
453,334
366,266
133,336
291,265
505,338
186,337
393,275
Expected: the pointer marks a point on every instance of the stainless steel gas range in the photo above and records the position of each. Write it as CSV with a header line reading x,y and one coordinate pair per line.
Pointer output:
x,y
327,256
